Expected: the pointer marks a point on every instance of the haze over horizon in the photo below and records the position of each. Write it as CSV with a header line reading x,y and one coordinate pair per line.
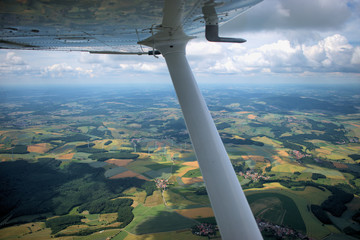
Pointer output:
x,y
312,41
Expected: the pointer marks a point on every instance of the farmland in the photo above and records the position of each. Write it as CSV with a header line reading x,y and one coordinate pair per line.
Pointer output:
x,y
65,152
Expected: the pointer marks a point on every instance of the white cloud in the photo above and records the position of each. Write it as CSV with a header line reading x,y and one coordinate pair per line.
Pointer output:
x,y
334,53
12,59
63,70
331,54
143,67
13,63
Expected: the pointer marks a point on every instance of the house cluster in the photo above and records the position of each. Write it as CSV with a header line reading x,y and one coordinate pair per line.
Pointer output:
x,y
204,229
354,140
161,183
295,120
341,142
299,155
253,176
280,231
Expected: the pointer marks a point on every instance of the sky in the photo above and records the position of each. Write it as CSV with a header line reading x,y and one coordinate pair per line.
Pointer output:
x,y
288,41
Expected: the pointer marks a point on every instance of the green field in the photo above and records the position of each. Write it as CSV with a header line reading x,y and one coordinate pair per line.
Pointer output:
x,y
302,199
157,219
279,209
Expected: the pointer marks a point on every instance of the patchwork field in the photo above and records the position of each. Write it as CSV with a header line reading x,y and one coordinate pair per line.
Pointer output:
x,y
290,148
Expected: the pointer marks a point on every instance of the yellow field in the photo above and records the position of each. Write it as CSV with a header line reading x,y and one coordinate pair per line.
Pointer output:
x,y
339,156
75,228
278,159
186,180
139,197
267,141
202,212
108,217
274,185
356,125
67,156
154,200
251,116
282,153
335,153
267,186
317,141
21,230
39,148
287,167
287,134
174,235
105,234
354,148
116,143
134,194
238,137
256,158
191,166
329,173
31,231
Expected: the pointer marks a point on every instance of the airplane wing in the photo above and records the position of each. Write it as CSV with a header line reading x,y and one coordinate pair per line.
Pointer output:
x,y
130,26
108,26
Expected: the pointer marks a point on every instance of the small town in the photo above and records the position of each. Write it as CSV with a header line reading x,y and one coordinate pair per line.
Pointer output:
x,y
161,183
253,176
280,231
299,155
204,229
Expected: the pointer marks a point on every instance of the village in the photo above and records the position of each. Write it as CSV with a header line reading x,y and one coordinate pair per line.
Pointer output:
x,y
204,229
299,155
280,231
161,183
253,176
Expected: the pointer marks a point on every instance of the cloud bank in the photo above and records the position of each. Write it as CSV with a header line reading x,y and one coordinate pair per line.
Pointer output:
x,y
289,39
329,55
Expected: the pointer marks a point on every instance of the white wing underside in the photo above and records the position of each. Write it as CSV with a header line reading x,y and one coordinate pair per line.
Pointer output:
x,y
99,26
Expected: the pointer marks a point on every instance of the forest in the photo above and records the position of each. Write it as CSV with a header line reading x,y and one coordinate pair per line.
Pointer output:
x,y
45,188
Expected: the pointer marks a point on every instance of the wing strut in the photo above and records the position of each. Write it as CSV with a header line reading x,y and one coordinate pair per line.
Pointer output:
x,y
228,201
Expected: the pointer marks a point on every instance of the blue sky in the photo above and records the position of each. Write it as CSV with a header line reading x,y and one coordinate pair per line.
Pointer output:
x,y
289,41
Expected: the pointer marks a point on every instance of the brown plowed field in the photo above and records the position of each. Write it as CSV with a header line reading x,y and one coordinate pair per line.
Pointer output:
x,y
39,148
67,156
119,162
203,212
128,174
186,180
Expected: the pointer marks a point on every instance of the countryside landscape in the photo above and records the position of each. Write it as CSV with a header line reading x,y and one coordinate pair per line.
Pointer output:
x,y
116,162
